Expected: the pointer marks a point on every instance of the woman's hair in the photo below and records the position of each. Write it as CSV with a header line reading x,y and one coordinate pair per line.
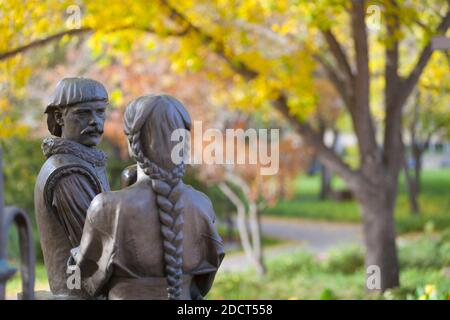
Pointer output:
x,y
149,123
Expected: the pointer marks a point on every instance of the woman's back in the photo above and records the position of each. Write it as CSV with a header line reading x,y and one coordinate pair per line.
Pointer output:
x,y
155,239
126,225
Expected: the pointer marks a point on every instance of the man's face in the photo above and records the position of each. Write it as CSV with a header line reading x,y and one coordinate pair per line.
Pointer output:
x,y
83,123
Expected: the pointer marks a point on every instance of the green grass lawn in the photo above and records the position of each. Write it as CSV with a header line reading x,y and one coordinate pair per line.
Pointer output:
x,y
424,262
434,201
14,286
424,275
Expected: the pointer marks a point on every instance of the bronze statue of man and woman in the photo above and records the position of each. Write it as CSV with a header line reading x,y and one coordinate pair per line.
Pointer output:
x,y
153,239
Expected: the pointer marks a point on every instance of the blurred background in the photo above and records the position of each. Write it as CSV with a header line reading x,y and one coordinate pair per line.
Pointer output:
x,y
358,89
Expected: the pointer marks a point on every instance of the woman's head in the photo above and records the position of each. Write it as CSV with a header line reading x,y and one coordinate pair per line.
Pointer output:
x,y
152,119
149,124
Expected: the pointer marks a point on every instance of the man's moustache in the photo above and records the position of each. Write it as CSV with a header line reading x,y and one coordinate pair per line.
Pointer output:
x,y
92,130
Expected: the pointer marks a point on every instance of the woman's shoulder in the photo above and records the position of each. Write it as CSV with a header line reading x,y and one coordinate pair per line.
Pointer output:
x,y
132,197
199,203
100,207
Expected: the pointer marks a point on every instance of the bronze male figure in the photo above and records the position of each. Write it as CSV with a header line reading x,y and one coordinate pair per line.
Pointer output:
x,y
73,173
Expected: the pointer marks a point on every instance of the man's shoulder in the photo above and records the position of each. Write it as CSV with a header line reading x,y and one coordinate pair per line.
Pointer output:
x,y
60,162
60,167
64,159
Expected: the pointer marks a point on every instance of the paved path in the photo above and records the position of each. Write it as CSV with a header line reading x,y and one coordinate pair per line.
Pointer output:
x,y
314,236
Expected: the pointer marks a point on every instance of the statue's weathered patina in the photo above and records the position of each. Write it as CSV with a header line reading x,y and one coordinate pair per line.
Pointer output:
x,y
73,173
156,238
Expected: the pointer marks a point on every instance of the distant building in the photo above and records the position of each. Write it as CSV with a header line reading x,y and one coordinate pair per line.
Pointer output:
x,y
437,155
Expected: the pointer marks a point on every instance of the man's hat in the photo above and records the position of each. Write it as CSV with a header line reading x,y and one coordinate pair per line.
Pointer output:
x,y
69,92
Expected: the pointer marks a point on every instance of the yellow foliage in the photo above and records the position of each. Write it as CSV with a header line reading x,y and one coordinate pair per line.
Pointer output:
x,y
10,128
274,38
116,97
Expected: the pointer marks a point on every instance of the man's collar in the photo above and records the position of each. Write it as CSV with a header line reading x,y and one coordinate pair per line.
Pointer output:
x,y
55,145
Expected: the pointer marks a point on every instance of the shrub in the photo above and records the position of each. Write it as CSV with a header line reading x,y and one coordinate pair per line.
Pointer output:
x,y
429,292
427,251
347,260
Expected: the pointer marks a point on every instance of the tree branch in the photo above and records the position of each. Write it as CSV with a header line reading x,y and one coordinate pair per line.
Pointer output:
x,y
42,42
360,109
410,82
339,55
327,156
392,127
217,46
334,78
392,53
78,32
241,219
398,91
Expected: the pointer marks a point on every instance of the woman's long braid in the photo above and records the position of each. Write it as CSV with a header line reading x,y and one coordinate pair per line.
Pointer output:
x,y
166,185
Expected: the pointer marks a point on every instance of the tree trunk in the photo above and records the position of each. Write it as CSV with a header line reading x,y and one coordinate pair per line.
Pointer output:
x,y
255,229
417,154
326,175
325,183
413,183
411,187
282,192
377,207
230,227
249,250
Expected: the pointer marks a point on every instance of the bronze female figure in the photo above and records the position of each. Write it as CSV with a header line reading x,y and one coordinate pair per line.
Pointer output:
x,y
155,239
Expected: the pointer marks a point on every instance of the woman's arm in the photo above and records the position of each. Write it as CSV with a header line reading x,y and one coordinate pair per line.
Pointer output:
x,y
96,250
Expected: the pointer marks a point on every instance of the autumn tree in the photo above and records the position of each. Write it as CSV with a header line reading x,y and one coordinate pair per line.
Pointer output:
x,y
271,49
375,182
324,119
427,116
244,185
